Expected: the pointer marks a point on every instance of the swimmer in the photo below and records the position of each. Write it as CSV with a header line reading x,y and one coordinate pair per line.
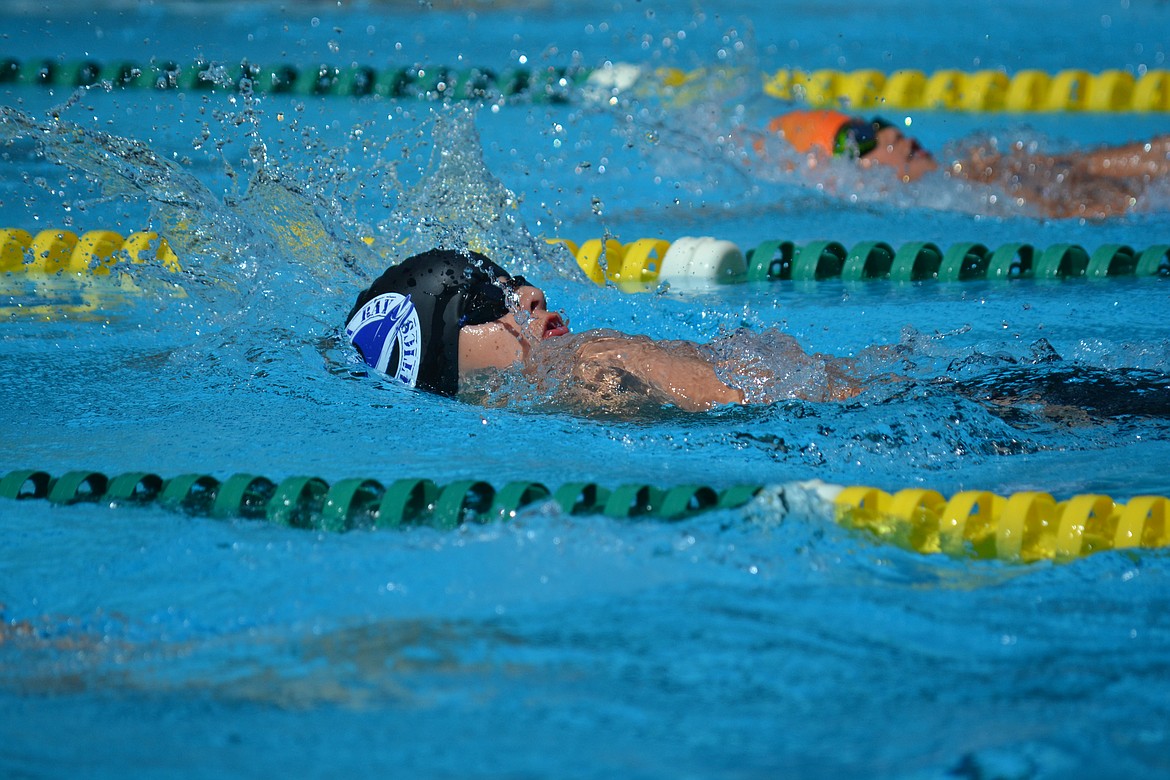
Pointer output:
x,y
1097,183
442,320
439,319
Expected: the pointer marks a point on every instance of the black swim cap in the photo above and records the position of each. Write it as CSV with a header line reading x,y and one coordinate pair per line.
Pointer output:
x,y
406,325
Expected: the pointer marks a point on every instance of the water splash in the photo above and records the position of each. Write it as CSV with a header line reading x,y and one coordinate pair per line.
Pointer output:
x,y
297,229
770,366
270,267
458,204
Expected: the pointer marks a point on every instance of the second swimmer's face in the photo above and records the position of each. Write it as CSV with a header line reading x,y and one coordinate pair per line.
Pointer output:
x,y
908,159
508,340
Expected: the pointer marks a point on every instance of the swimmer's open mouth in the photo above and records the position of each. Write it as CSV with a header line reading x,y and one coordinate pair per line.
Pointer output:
x,y
554,327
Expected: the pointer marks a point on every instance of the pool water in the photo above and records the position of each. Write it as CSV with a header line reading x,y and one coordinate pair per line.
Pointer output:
x,y
761,641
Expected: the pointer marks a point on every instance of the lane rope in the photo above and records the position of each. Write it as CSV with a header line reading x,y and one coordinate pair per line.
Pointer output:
x,y
312,503
1072,90
57,273
1021,528
648,261
94,253
987,90
703,261
548,84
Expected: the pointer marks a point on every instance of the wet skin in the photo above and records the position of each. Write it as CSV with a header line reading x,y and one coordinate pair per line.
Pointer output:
x,y
902,153
1096,183
505,342
672,372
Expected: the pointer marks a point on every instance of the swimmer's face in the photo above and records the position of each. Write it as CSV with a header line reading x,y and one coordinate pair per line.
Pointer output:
x,y
908,159
509,339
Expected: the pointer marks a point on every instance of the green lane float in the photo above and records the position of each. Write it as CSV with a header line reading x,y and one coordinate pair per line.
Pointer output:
x,y
311,503
692,262
1069,90
547,84
1024,527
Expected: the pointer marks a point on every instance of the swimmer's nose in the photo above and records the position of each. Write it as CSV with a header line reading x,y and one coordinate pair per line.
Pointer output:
x,y
532,299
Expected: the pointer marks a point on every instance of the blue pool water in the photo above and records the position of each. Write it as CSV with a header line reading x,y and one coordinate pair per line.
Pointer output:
x,y
766,641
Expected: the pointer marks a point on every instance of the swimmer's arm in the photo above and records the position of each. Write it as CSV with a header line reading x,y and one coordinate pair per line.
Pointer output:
x,y
678,372
1135,160
1058,186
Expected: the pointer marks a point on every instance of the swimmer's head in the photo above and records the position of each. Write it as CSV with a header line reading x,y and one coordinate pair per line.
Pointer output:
x,y
901,152
869,141
858,137
442,312
509,339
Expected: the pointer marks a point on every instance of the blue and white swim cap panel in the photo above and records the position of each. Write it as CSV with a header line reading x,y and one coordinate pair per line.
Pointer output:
x,y
420,305
386,332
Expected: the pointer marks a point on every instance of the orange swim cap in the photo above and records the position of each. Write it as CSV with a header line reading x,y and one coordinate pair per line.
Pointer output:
x,y
804,130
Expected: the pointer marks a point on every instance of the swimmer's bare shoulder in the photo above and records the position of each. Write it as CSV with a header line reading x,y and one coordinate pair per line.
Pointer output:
x,y
609,364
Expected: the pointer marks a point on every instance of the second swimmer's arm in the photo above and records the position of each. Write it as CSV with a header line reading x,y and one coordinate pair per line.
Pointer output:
x,y
1071,185
675,370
